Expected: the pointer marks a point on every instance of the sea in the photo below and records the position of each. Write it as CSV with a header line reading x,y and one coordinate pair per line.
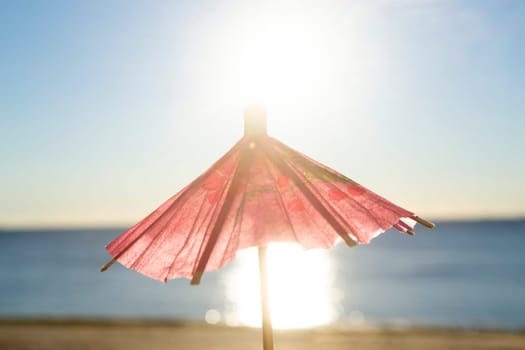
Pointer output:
x,y
468,275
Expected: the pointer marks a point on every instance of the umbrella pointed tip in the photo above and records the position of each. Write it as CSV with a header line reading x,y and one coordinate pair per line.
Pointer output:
x,y
349,241
255,120
196,278
107,265
424,222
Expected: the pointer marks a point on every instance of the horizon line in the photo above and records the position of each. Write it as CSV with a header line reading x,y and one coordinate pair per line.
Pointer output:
x,y
48,227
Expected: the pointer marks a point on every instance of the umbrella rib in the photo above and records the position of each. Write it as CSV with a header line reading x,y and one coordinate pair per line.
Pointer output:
x,y
285,168
401,216
154,239
324,203
366,210
214,217
227,248
244,162
424,222
177,200
283,207
212,213
159,233
235,224
238,221
333,172
175,256
313,190
156,221
368,213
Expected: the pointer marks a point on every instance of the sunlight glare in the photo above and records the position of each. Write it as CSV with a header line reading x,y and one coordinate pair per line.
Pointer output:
x,y
300,287
277,63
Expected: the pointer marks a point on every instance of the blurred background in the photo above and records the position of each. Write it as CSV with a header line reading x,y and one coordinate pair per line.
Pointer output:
x,y
462,274
107,108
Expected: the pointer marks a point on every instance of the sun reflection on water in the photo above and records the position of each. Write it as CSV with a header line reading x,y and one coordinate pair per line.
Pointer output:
x,y
301,288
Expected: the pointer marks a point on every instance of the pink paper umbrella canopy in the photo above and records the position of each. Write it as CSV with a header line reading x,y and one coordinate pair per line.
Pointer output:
x,y
260,191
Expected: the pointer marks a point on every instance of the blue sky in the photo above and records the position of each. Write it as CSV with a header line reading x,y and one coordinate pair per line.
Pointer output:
x,y
109,107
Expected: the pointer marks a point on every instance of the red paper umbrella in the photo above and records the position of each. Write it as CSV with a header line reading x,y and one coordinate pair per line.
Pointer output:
x,y
260,191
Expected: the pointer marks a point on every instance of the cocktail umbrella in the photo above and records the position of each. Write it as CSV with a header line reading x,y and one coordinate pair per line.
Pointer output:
x,y
260,191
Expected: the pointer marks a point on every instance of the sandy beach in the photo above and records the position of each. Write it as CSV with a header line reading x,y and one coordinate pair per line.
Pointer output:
x,y
115,335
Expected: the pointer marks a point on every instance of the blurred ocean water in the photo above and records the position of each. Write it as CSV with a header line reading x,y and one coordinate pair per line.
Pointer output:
x,y
462,274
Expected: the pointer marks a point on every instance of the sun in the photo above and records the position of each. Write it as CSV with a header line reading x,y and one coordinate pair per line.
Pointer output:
x,y
280,62
303,63
301,288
